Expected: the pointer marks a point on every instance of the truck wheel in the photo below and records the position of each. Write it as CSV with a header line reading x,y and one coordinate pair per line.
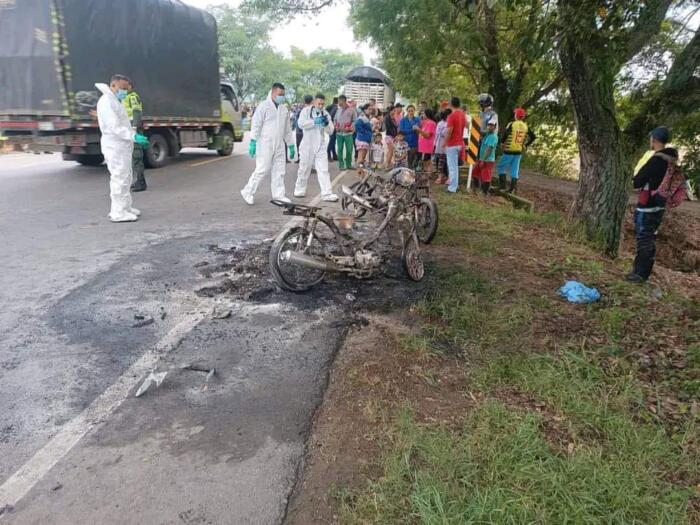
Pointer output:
x,y
156,156
226,143
89,160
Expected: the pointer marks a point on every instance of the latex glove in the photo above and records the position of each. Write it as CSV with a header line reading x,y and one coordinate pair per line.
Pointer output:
x,y
319,121
292,150
252,148
141,140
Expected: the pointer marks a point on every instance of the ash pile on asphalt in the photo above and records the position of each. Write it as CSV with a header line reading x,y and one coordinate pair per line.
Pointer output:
x,y
242,272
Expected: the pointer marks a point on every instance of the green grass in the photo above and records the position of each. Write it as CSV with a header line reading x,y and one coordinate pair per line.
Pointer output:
x,y
481,229
563,434
500,469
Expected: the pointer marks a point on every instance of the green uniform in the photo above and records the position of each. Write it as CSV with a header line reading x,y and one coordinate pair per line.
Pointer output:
x,y
134,109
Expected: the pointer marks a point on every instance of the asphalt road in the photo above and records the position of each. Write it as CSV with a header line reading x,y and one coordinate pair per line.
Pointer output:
x,y
76,446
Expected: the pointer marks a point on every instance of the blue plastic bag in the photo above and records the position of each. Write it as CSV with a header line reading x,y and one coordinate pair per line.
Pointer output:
x,y
576,292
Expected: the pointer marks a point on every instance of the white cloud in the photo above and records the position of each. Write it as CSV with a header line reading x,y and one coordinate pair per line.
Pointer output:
x,y
328,29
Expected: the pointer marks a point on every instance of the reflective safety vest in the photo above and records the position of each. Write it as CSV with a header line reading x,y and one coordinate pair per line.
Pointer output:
x,y
132,103
517,135
645,158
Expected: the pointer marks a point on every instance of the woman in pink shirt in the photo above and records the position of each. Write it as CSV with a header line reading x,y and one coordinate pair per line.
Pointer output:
x,y
426,140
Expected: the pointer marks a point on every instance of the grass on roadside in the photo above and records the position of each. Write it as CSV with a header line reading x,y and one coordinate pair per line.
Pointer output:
x,y
562,432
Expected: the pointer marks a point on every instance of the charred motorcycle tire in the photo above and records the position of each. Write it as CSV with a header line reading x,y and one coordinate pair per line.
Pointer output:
x,y
427,220
412,259
361,189
287,280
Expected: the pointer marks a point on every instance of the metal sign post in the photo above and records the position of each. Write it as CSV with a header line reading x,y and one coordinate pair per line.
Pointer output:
x,y
473,146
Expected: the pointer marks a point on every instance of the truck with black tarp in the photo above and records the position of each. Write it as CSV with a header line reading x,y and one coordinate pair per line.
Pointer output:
x,y
52,52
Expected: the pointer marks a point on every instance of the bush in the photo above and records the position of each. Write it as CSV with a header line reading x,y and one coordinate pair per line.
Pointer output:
x,y
687,139
554,153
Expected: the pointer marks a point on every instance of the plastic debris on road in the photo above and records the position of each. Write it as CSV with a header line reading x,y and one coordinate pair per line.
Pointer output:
x,y
575,292
152,378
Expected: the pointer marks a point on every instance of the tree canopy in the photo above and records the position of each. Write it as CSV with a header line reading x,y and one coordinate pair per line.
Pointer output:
x,y
252,65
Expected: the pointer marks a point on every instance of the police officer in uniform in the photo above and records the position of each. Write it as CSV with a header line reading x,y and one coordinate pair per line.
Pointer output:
x,y
134,109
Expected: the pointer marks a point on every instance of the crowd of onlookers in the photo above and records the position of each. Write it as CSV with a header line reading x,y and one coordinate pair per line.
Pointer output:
x,y
433,139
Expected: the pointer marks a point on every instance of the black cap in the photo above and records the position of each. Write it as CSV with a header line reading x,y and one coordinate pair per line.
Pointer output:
x,y
661,134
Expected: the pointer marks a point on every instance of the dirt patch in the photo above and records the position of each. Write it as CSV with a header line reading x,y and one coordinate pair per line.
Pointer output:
x,y
371,380
678,243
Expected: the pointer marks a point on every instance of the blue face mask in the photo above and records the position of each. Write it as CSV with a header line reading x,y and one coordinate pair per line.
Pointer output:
x,y
279,99
122,93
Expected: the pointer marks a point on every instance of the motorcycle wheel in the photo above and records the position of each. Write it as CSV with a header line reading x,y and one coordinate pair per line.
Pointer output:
x,y
412,259
363,190
289,276
427,223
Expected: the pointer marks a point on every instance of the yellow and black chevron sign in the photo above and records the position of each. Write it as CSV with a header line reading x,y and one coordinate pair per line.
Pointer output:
x,y
474,140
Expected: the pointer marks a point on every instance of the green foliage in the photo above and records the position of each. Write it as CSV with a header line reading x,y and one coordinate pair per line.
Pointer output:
x,y
253,66
554,153
687,138
322,71
242,45
441,48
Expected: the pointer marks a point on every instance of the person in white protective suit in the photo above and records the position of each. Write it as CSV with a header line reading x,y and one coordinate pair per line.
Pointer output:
x,y
117,145
270,129
317,125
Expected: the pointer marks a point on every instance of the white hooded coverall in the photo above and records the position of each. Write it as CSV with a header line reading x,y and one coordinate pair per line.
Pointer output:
x,y
313,151
117,144
270,127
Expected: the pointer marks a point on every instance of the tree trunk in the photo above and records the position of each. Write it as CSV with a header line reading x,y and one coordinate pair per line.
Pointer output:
x,y
605,170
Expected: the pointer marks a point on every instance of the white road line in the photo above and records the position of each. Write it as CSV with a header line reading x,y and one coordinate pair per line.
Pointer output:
x,y
21,482
209,161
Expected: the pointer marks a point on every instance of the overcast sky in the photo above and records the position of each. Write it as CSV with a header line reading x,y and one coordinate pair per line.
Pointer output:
x,y
328,29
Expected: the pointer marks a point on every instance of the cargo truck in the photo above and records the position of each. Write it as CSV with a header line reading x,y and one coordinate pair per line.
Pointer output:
x,y
52,52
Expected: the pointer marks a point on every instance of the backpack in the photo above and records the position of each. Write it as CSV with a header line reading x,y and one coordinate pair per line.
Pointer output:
x,y
673,186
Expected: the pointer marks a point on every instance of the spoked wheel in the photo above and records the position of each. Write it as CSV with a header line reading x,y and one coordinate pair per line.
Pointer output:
x,y
291,276
363,189
427,220
412,259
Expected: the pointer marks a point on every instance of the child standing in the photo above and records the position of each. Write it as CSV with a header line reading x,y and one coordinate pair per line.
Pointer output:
x,y
363,128
426,140
400,151
440,159
487,157
516,138
377,151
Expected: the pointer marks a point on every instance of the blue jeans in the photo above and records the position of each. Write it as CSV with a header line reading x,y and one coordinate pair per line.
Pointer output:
x,y
452,153
510,163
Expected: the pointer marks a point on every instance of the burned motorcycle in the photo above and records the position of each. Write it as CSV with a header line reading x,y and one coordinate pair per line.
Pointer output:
x,y
372,186
302,254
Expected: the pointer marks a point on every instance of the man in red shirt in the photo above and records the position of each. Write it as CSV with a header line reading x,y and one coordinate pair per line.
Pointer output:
x,y
454,142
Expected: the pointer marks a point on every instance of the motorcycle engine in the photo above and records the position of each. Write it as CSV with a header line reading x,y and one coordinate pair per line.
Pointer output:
x,y
366,259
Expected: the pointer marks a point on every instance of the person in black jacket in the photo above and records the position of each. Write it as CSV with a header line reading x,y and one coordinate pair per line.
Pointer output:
x,y
650,206
391,129
332,109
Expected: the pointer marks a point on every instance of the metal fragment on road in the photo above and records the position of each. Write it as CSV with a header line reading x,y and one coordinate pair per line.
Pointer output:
x,y
221,313
211,372
152,378
142,320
